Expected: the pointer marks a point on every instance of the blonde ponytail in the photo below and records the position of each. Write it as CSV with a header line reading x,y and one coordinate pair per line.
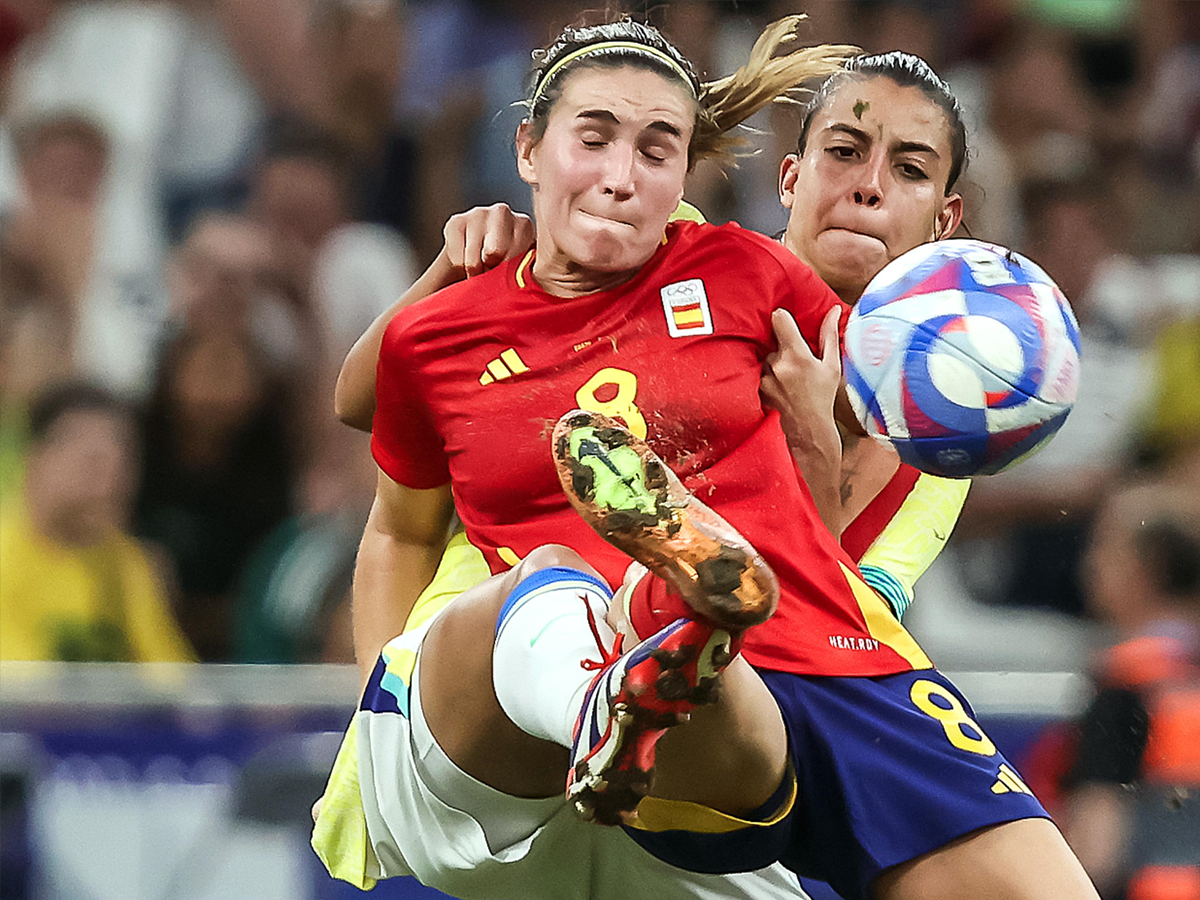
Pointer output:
x,y
727,102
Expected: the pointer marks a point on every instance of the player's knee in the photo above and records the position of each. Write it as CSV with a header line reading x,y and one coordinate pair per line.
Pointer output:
x,y
549,556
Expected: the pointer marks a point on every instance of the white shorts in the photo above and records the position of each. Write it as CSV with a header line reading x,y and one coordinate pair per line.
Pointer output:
x,y
397,805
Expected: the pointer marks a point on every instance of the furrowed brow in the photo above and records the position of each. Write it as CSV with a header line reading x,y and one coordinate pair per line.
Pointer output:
x,y
899,147
915,147
608,117
665,128
600,115
842,128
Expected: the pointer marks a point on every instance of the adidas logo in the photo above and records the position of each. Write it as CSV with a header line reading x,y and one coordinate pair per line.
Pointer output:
x,y
506,366
1010,782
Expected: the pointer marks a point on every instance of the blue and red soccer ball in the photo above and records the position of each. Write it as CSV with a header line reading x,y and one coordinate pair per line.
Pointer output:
x,y
964,356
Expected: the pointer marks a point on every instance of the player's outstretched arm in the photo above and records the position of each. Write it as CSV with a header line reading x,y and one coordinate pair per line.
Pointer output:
x,y
804,388
474,241
401,545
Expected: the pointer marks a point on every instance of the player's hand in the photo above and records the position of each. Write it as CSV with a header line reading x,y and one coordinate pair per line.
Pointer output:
x,y
800,385
482,238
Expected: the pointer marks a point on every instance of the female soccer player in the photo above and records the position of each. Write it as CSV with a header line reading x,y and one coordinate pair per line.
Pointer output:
x,y
509,846
893,521
598,279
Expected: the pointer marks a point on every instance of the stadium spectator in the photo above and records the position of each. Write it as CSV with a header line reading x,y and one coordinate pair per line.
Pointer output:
x,y
1131,810
219,281
301,193
336,65
217,472
47,244
333,273
1170,117
293,601
181,118
447,78
1040,106
74,585
359,46
215,272
1173,429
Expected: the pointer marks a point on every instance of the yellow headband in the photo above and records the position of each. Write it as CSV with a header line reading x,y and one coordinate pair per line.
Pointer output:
x,y
601,47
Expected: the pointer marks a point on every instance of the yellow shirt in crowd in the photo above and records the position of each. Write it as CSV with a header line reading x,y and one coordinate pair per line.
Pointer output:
x,y
102,603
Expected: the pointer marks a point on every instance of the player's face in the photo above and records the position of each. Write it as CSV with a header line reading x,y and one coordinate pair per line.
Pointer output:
x,y
609,169
871,183
82,474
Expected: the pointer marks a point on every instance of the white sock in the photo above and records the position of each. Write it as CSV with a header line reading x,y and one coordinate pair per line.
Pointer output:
x,y
542,637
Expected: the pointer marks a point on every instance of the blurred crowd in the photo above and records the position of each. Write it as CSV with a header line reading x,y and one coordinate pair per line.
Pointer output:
x,y
204,202
202,205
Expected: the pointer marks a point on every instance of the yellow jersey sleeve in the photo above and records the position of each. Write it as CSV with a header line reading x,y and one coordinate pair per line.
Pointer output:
x,y
911,541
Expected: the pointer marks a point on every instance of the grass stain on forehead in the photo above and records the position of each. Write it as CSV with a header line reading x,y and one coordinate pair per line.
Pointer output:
x,y
860,107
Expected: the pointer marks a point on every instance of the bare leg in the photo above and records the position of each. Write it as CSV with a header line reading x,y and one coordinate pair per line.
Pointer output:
x,y
460,703
1023,860
731,755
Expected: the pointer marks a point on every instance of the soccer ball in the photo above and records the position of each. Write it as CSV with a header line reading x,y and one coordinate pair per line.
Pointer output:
x,y
964,356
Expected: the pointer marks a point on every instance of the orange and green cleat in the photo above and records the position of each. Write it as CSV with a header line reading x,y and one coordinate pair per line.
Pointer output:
x,y
633,500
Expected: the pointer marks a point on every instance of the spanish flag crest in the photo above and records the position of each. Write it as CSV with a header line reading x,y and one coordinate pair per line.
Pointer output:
x,y
686,307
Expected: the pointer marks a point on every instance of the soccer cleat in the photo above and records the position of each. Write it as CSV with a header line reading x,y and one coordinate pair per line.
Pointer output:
x,y
630,705
633,500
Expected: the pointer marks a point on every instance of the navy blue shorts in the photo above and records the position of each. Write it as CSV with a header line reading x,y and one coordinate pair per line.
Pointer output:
x,y
888,769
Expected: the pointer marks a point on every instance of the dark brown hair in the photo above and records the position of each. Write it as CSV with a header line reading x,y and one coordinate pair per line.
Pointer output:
x,y
906,70
72,396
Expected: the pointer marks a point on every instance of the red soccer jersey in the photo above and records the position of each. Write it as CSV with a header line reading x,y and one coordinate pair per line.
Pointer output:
x,y
472,380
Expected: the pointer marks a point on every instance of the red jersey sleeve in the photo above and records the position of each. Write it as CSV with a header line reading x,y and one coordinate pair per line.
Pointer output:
x,y
404,441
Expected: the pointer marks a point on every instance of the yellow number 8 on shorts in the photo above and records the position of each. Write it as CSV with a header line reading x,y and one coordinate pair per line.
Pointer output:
x,y
961,730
